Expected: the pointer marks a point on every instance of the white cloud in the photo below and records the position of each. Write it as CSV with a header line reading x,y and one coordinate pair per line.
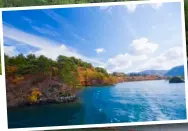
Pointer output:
x,y
10,50
49,48
119,62
131,7
166,60
157,5
143,46
135,63
174,53
141,58
100,50
122,62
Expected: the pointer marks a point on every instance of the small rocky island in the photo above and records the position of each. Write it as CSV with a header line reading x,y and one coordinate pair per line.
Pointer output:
x,y
176,79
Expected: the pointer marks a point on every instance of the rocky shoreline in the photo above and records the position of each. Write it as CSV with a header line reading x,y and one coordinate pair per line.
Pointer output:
x,y
65,100
52,92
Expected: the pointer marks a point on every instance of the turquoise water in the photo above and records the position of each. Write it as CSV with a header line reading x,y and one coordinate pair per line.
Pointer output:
x,y
124,102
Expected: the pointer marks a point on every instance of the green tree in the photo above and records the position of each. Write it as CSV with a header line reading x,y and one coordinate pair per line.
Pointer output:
x,y
69,74
102,70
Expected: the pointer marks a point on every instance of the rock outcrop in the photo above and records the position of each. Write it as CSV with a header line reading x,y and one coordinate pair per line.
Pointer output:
x,y
176,80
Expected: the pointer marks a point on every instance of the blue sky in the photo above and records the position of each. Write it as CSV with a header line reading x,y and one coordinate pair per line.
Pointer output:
x,y
122,38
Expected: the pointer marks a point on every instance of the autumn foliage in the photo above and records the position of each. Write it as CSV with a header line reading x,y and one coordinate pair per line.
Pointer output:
x,y
69,70
34,96
92,76
32,79
11,69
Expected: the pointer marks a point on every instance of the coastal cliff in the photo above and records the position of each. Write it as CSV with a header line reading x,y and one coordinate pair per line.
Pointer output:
x,y
34,80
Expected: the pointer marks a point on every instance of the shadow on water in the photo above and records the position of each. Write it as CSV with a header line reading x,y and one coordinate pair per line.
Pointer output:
x,y
46,115
54,115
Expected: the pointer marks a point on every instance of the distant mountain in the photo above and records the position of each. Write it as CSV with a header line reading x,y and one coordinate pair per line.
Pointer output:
x,y
176,71
154,72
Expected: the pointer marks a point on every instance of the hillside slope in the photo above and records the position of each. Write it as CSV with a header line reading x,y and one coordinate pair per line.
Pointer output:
x,y
176,71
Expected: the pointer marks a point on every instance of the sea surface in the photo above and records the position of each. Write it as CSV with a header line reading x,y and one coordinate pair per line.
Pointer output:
x,y
124,102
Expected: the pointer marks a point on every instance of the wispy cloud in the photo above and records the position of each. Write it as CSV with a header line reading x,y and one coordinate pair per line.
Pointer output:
x,y
100,50
10,50
47,30
46,47
43,29
63,24
28,20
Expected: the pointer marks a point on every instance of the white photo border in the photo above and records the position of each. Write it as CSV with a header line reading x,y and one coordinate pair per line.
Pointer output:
x,y
3,90
3,102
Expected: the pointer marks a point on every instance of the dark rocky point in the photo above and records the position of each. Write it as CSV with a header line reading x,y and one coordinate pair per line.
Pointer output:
x,y
176,80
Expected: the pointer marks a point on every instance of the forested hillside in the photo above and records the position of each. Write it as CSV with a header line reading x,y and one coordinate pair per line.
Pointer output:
x,y
72,71
30,79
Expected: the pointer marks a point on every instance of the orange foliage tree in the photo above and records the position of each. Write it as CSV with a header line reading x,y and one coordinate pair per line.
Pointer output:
x,y
11,70
34,96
